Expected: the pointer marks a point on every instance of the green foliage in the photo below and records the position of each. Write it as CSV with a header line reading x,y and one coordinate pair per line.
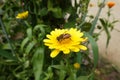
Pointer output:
x,y
38,59
94,49
7,55
23,56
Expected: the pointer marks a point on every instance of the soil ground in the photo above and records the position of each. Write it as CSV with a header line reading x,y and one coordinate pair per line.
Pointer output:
x,y
106,71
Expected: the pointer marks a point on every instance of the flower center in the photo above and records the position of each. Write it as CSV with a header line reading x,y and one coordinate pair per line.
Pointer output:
x,y
66,41
64,38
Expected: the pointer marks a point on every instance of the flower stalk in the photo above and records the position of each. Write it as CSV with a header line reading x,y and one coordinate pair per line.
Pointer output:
x,y
6,35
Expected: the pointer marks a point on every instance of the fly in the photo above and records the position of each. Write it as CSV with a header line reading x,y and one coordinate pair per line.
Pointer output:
x,y
63,36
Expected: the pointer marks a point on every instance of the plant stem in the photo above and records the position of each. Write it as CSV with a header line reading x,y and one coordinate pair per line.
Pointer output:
x,y
96,19
6,35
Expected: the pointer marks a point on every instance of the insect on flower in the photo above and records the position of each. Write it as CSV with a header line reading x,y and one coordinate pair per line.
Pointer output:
x,y
63,36
65,40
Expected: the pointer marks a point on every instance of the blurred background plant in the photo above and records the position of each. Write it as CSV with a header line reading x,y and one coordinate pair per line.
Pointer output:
x,y
24,25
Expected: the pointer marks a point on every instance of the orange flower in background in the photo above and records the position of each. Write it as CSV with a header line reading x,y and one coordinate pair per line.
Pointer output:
x,y
110,4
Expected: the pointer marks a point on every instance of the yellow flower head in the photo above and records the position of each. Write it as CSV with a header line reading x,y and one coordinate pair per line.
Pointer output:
x,y
76,65
22,15
65,40
110,4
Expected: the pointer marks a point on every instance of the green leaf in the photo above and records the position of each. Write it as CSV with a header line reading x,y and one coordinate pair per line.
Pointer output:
x,y
58,66
96,19
1,12
43,11
72,75
103,22
24,42
115,21
40,27
69,24
105,26
62,68
62,75
57,12
86,26
6,46
82,78
79,57
49,5
48,74
37,60
30,46
29,33
94,48
7,55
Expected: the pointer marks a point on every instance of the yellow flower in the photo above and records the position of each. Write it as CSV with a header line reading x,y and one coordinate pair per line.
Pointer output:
x,y
76,65
110,4
65,40
22,15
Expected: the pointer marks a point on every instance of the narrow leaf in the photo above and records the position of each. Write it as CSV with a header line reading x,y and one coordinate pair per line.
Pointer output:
x,y
105,26
94,48
7,55
29,33
40,27
96,19
25,41
79,57
38,59
30,46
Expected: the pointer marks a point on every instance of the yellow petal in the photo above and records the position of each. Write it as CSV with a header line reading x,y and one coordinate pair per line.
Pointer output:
x,y
48,36
22,15
82,47
66,51
46,40
54,53
75,49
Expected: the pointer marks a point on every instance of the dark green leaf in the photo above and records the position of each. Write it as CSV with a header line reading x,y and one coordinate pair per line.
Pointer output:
x,y
105,26
40,27
7,55
43,12
69,24
103,22
79,57
49,5
86,26
57,12
58,66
